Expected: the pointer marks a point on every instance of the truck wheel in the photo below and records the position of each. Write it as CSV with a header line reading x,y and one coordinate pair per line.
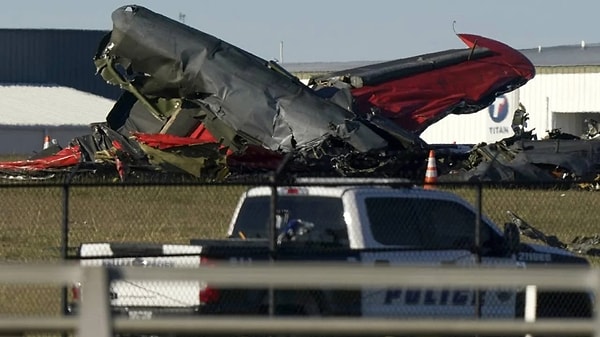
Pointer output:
x,y
565,305
306,305
310,306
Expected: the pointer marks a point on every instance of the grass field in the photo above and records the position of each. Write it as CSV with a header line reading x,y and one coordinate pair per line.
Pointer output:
x,y
32,220
32,217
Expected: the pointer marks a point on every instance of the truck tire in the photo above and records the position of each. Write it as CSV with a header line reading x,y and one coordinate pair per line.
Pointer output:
x,y
564,305
310,306
300,304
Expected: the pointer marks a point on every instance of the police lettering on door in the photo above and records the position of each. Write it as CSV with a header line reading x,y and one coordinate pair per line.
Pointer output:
x,y
458,297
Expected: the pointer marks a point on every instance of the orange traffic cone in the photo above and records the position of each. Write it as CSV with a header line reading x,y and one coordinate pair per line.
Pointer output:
x,y
46,142
431,172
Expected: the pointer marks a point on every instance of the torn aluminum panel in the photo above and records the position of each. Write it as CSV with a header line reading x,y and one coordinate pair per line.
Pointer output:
x,y
166,60
243,99
583,245
523,160
184,83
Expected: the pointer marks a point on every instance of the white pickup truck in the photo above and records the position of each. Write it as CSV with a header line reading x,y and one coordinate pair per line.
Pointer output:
x,y
358,224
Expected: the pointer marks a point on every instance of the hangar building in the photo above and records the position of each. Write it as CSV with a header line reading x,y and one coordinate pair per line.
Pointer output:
x,y
564,92
49,87
29,113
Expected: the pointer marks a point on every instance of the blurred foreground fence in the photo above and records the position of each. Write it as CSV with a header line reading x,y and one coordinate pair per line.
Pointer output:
x,y
94,319
47,222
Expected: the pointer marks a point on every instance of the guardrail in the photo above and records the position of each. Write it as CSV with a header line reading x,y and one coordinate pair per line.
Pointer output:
x,y
95,320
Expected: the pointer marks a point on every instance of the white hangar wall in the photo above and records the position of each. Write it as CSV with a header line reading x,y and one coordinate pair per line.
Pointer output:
x,y
485,126
562,98
28,113
558,97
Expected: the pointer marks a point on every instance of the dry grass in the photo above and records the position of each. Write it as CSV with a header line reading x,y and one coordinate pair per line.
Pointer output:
x,y
31,223
566,214
176,213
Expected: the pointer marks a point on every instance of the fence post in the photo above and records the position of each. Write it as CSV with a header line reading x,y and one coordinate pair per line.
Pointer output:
x,y
272,238
479,212
530,304
596,311
275,181
64,251
95,318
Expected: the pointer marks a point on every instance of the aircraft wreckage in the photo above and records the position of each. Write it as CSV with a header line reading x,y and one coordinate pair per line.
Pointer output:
x,y
196,106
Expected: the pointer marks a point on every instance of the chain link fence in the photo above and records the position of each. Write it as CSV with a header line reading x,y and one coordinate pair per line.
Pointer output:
x,y
49,222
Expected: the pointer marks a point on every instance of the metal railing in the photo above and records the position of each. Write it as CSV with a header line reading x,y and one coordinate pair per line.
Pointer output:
x,y
94,319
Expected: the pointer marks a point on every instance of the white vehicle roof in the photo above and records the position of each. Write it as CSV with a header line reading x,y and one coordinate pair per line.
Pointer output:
x,y
359,189
339,190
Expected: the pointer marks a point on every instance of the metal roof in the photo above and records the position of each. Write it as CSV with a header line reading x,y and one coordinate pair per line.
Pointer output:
x,y
62,57
51,105
582,54
324,67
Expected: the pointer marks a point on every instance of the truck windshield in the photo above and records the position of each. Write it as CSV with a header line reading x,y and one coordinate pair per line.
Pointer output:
x,y
423,223
324,212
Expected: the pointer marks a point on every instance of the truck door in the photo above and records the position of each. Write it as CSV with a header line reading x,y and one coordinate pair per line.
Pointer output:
x,y
428,232
142,297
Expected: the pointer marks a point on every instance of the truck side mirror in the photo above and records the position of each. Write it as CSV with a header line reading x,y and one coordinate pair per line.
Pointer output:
x,y
512,238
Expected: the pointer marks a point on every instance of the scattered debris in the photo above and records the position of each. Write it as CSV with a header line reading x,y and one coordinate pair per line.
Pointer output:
x,y
584,245
196,106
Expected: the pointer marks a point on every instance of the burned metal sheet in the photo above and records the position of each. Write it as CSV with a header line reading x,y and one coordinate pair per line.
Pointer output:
x,y
166,59
525,160
243,99
584,245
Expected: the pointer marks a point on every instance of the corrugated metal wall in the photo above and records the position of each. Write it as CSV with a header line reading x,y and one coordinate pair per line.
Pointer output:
x,y
556,93
53,56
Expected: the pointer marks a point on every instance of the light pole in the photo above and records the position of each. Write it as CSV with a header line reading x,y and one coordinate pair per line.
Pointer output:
x,y
281,52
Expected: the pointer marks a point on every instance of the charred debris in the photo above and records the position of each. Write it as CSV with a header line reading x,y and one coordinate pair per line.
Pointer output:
x,y
196,107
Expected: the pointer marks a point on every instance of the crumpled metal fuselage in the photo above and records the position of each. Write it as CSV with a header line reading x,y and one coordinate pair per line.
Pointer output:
x,y
184,88
262,104
243,99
